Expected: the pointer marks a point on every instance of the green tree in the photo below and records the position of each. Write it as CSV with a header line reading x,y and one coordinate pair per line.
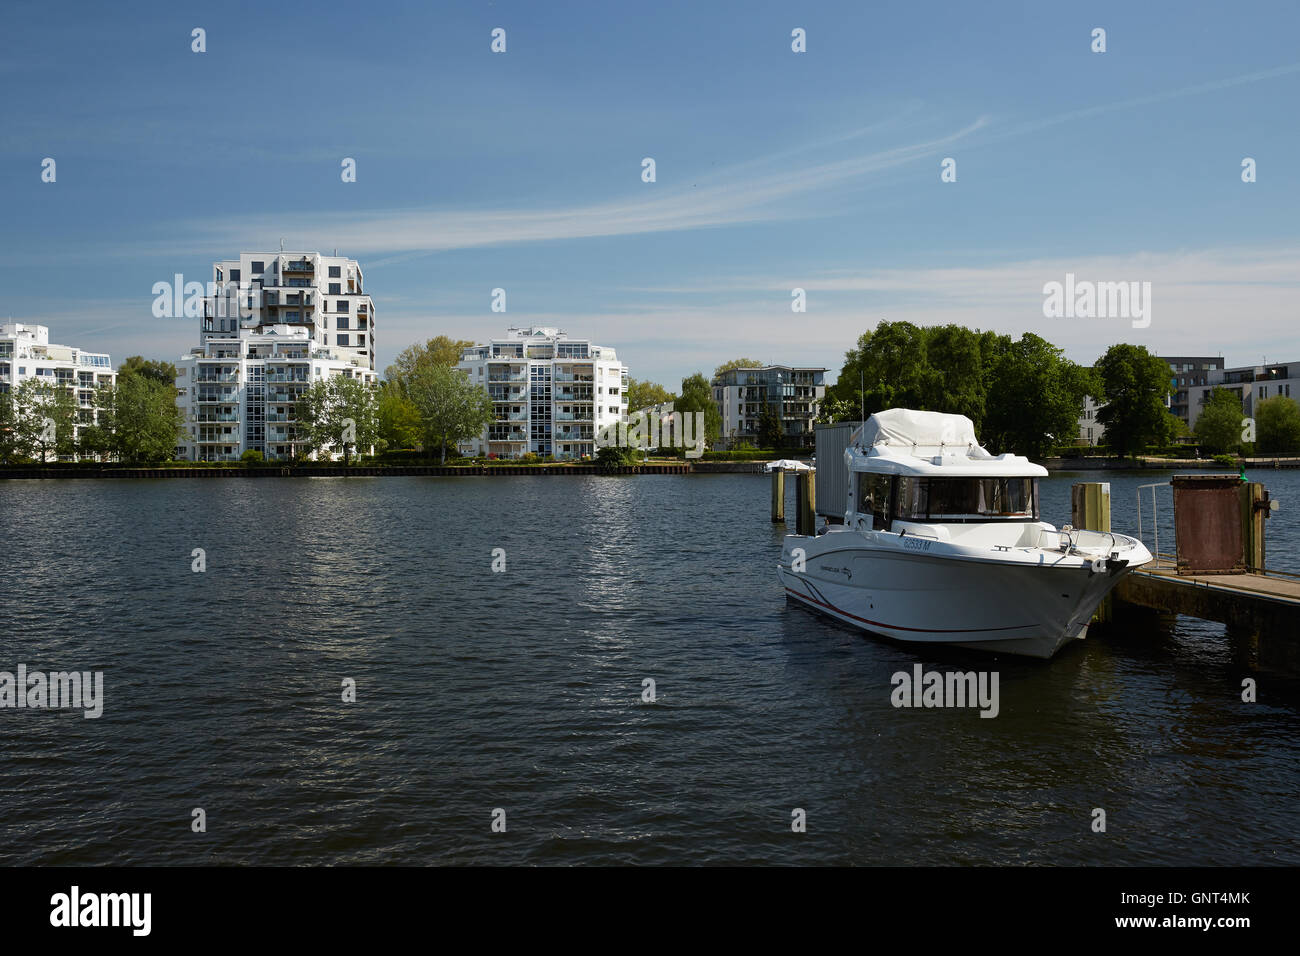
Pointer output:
x,y
157,370
1034,396
887,369
644,394
338,412
1219,426
20,430
1277,426
697,396
439,350
399,419
770,432
139,419
452,408
735,363
52,417
954,378
837,410
1135,386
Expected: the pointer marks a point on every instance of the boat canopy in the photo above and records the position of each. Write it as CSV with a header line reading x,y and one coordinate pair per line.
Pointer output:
x,y
903,441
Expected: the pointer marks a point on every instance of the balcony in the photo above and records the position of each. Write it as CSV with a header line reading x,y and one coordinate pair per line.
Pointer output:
x,y
512,436
298,265
499,377
574,417
573,377
217,417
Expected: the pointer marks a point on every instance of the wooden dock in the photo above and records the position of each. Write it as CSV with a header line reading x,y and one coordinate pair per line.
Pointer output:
x,y
1263,609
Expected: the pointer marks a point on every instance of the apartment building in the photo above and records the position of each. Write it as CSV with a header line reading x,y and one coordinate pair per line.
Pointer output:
x,y
743,394
1186,373
1250,383
551,394
238,391
1091,431
325,295
26,353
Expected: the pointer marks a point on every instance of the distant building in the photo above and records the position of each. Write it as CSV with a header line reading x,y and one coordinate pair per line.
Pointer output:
x,y
795,394
238,390
550,393
322,294
1091,431
1250,383
1186,373
26,353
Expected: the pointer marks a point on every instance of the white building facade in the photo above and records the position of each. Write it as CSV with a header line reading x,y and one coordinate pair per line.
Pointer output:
x,y
551,394
1252,384
324,295
238,391
26,353
795,394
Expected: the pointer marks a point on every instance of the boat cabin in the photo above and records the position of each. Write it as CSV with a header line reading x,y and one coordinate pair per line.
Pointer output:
x,y
910,469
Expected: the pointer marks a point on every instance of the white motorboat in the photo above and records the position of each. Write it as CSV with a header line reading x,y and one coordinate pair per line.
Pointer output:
x,y
942,543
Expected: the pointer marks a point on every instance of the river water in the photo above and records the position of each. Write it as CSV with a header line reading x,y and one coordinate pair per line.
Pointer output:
x,y
521,690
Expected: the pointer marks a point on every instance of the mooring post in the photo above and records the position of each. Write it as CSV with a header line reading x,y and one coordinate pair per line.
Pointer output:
x,y
1254,507
778,496
806,498
1090,510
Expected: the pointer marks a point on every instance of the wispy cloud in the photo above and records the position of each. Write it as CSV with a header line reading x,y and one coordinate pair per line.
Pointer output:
x,y
720,198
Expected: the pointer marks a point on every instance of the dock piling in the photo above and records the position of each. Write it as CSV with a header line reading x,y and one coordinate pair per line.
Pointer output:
x,y
1090,510
806,502
778,496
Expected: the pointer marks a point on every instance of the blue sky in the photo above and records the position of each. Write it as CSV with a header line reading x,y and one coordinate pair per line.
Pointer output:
x,y
775,170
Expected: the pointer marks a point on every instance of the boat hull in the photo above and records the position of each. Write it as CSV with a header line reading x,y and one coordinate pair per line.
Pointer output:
x,y
1030,609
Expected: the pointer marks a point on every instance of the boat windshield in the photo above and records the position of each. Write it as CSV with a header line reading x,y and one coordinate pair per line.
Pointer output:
x,y
967,499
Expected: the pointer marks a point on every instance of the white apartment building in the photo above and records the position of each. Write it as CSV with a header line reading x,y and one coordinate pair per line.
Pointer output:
x,y
1250,383
322,294
26,352
1091,431
238,390
743,394
551,394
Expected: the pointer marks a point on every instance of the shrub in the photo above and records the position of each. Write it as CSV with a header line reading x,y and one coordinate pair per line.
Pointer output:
x,y
252,456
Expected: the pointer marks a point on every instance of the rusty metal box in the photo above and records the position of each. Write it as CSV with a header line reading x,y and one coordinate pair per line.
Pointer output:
x,y
1207,524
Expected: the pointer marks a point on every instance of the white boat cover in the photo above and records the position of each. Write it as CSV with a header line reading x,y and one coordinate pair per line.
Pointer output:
x,y
904,441
909,428
787,464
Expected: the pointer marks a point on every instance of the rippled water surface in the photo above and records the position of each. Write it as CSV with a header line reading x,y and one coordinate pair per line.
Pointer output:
x,y
522,690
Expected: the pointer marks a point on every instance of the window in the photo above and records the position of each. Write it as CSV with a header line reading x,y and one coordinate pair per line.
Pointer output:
x,y
873,499
234,275
342,305
335,272
258,267
343,340
967,499
336,288
343,322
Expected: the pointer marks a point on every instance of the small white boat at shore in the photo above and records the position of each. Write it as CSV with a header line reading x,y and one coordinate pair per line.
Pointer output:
x,y
942,543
